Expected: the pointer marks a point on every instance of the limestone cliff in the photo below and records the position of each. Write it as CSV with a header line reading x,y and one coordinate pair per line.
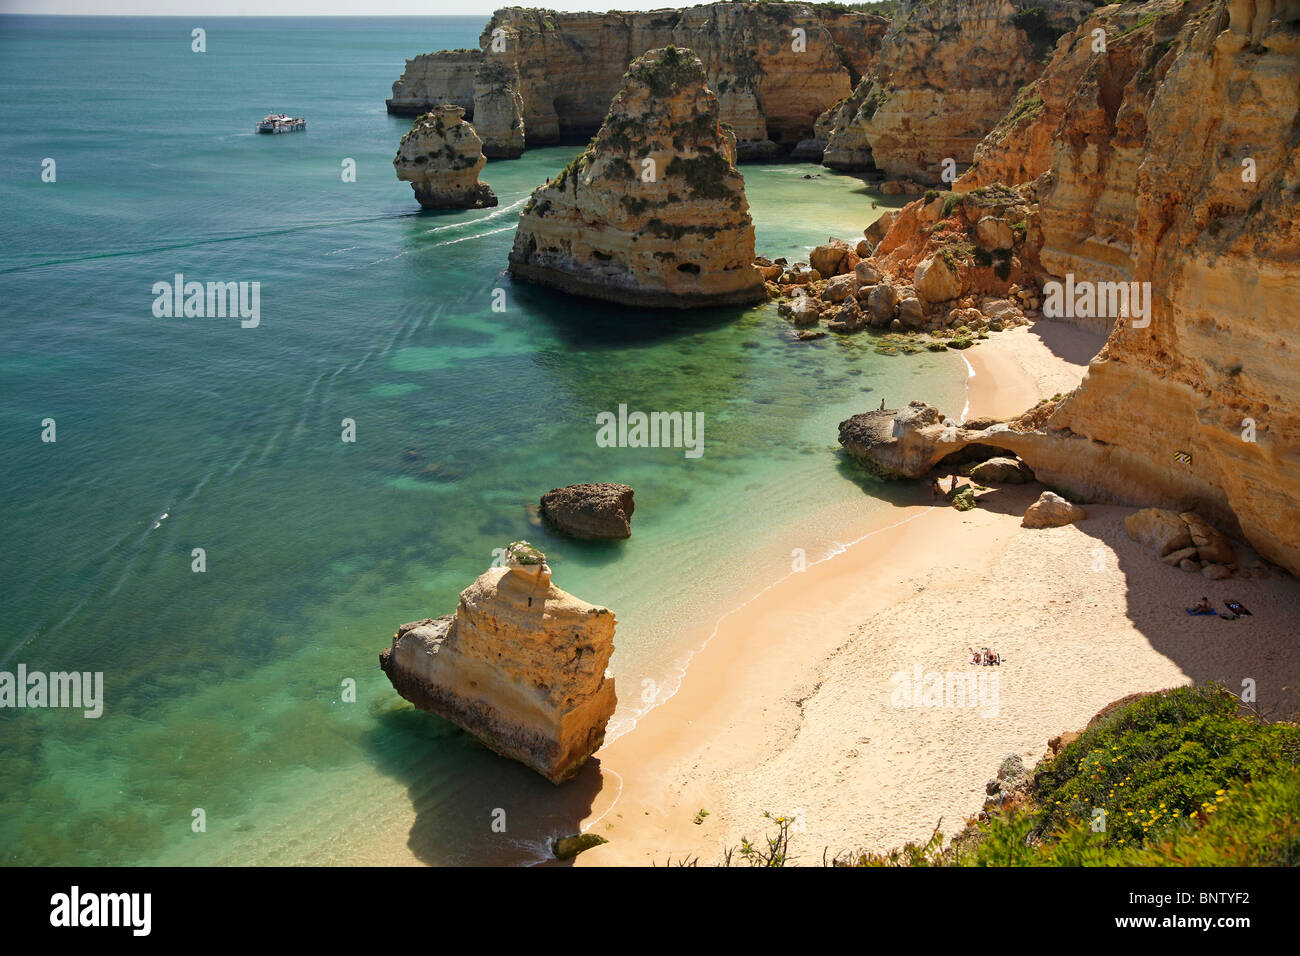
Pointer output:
x,y
1077,91
946,73
436,78
441,157
520,665
1214,193
1174,160
774,66
653,212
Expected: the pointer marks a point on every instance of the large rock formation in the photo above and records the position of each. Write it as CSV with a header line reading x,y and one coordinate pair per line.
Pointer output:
x,y
441,157
520,665
1174,161
436,78
774,66
946,73
591,512
653,212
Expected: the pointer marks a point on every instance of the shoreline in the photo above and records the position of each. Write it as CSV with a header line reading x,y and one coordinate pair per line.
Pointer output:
x,y
817,609
786,707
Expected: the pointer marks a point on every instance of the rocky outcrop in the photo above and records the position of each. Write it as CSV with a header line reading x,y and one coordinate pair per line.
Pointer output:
x,y
436,78
1184,540
774,66
441,157
1077,91
520,665
953,265
1052,511
1175,162
653,212
498,112
1165,196
946,73
591,512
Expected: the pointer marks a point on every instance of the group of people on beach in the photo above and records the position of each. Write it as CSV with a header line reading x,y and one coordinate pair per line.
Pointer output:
x,y
985,656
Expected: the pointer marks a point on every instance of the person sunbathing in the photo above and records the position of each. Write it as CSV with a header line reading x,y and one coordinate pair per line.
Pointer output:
x,y
975,657
994,658
1237,608
1205,607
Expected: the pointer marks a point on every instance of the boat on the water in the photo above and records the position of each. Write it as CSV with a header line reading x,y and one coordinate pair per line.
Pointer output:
x,y
279,123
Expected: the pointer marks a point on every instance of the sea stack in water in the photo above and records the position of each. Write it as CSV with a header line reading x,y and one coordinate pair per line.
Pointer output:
x,y
520,665
441,157
592,512
653,212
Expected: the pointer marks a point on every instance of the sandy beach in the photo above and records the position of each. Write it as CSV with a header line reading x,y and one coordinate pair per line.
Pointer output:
x,y
799,704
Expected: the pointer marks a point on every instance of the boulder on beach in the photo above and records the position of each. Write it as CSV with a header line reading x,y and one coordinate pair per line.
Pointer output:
x,y
1211,545
1002,470
834,258
1052,511
592,512
963,498
1158,528
566,848
521,665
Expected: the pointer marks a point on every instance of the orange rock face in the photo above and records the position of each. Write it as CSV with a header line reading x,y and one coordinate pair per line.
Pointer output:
x,y
653,213
520,665
1174,160
441,157
775,68
946,73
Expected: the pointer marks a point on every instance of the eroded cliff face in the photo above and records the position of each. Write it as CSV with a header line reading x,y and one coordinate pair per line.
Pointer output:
x,y
653,213
520,665
775,68
1215,375
1079,91
1173,160
435,78
946,73
441,157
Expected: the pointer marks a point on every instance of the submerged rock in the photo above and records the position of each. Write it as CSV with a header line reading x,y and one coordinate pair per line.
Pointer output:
x,y
441,157
653,213
590,511
520,665
566,848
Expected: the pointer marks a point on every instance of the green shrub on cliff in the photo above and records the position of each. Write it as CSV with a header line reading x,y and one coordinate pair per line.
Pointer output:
x,y
1172,779
706,175
668,71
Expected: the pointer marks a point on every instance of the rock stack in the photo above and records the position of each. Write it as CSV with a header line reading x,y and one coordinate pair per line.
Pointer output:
x,y
441,157
520,665
591,512
653,213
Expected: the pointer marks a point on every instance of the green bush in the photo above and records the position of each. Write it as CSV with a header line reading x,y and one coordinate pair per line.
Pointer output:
x,y
1183,778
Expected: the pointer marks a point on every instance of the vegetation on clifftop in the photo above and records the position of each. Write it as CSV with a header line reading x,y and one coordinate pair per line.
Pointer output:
x,y
1177,778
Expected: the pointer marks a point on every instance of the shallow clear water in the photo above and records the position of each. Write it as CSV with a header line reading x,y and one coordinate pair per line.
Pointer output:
x,y
224,688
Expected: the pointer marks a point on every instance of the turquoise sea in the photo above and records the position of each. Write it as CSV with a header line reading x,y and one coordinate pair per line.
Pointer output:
x,y
226,690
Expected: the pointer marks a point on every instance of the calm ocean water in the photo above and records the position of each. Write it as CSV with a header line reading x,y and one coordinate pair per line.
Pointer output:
x,y
225,689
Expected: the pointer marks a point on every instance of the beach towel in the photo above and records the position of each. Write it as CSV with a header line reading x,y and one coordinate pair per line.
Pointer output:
x,y
1196,611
